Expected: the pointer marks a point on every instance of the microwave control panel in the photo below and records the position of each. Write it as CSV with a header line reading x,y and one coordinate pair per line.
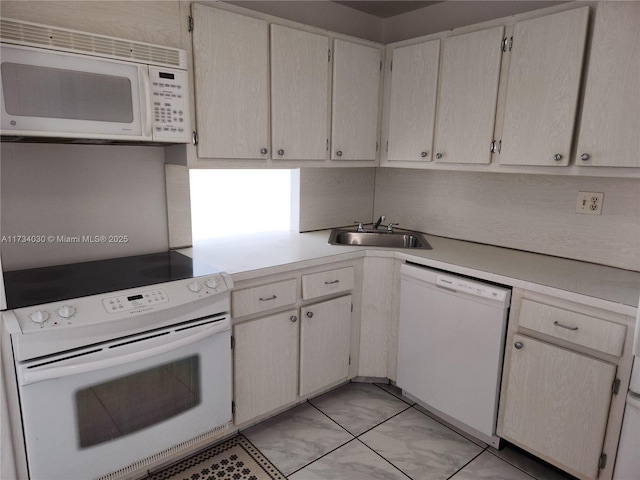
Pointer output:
x,y
169,101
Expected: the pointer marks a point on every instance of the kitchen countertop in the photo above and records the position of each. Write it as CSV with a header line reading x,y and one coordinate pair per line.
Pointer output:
x,y
254,255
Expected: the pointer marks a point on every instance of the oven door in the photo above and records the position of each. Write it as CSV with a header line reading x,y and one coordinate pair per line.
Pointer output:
x,y
94,411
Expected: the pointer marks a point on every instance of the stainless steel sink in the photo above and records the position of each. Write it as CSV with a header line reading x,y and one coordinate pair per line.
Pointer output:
x,y
378,238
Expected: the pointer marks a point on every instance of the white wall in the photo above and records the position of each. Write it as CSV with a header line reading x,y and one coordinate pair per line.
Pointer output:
x,y
71,190
453,14
322,14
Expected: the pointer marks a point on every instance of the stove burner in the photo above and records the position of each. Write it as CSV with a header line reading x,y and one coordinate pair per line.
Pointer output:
x,y
175,271
24,288
36,296
41,276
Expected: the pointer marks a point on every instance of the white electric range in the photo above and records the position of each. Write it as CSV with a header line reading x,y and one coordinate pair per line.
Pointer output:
x,y
117,363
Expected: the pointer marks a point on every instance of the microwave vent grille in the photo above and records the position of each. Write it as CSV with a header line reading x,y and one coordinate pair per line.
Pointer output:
x,y
31,34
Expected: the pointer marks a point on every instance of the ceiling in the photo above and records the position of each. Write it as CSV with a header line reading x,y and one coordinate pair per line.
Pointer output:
x,y
386,8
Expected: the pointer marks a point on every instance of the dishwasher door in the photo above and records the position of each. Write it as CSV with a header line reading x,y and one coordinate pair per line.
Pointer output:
x,y
451,346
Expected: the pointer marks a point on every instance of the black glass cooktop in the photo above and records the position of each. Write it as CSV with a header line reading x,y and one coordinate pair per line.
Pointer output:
x,y
36,286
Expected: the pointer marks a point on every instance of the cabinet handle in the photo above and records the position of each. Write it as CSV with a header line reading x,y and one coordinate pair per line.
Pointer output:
x,y
281,152
272,297
558,324
439,155
423,154
264,151
585,157
309,314
557,157
331,283
339,153
293,318
518,345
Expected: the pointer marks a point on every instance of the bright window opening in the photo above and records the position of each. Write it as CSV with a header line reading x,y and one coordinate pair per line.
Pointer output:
x,y
236,202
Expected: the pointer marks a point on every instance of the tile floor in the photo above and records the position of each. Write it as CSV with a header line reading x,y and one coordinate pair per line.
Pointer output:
x,y
370,431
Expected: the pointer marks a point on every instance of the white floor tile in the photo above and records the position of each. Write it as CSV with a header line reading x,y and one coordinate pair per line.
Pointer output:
x,y
490,467
353,461
359,406
421,447
297,437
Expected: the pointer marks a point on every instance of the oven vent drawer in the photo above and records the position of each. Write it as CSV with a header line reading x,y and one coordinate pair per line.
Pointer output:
x,y
153,459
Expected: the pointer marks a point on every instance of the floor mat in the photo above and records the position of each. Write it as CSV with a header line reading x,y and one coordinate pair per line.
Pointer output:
x,y
234,459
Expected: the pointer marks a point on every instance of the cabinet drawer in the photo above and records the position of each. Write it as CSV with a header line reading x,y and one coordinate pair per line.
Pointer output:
x,y
578,328
263,298
327,283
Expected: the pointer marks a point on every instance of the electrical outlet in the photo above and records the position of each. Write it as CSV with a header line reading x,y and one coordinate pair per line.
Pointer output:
x,y
590,203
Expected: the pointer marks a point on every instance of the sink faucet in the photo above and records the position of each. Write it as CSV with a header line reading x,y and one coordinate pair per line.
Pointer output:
x,y
378,222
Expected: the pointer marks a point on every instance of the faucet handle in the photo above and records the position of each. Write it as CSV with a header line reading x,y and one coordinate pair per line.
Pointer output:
x,y
359,225
390,227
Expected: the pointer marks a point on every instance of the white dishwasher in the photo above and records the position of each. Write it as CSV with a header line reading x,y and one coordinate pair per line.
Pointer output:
x,y
451,346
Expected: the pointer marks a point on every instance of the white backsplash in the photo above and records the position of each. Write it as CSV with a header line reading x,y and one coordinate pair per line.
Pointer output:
x,y
535,213
57,193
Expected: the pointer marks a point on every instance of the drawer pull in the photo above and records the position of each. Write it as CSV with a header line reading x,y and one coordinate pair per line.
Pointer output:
x,y
272,297
331,283
293,318
309,314
558,324
518,345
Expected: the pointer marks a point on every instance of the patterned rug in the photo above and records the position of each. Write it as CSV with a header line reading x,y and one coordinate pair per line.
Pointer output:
x,y
234,459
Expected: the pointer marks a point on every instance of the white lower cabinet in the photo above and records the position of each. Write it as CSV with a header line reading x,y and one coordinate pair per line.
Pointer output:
x,y
265,364
285,347
557,403
566,371
324,343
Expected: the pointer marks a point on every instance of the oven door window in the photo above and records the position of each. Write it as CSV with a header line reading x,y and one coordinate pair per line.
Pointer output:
x,y
121,406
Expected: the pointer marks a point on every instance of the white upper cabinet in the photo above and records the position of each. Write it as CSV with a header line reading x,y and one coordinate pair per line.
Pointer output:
x,y
468,92
610,127
412,103
299,94
231,59
542,91
356,99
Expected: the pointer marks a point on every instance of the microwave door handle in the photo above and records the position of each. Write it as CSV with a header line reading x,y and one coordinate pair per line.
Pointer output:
x,y
114,359
145,101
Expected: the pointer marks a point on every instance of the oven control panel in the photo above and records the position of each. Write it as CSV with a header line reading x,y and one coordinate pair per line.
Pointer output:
x,y
136,300
127,304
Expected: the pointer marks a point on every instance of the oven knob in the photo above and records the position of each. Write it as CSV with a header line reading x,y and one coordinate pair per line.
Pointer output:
x,y
39,316
194,286
66,311
212,283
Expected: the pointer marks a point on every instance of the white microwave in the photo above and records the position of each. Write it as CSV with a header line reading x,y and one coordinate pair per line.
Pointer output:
x,y
72,93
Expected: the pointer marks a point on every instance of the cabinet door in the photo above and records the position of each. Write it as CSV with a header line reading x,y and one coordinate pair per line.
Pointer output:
x,y
231,84
356,98
265,364
542,91
299,94
557,404
611,111
412,103
324,343
468,92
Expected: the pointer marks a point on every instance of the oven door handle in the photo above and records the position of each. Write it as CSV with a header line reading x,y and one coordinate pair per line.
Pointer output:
x,y
114,359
